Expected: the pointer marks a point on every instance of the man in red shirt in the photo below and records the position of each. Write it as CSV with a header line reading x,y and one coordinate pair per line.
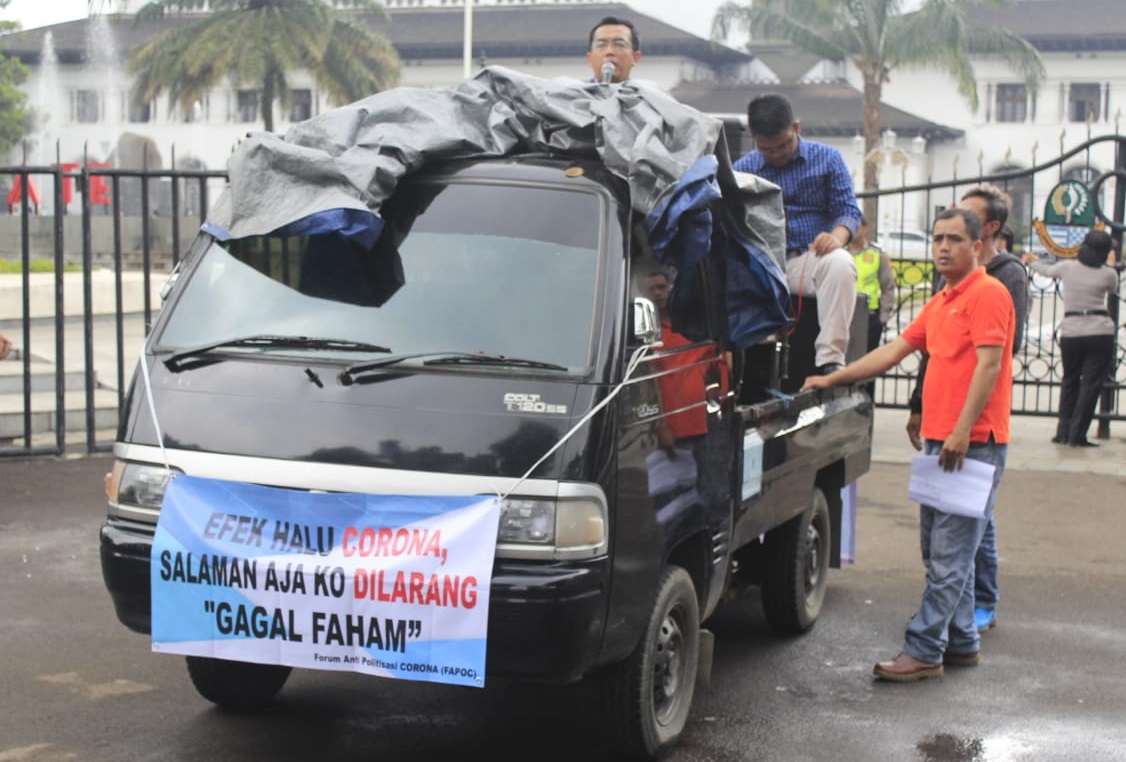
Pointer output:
x,y
967,329
688,369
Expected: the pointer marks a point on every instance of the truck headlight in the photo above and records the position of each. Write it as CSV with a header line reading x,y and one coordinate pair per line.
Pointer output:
x,y
567,527
136,490
527,521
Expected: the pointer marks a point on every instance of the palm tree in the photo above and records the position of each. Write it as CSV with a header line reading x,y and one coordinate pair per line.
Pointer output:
x,y
878,37
259,41
15,118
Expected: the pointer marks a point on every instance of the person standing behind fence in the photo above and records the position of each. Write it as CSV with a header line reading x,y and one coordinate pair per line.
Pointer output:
x,y
5,346
876,280
1086,333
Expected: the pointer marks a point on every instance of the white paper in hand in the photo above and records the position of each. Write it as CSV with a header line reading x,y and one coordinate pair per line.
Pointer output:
x,y
964,492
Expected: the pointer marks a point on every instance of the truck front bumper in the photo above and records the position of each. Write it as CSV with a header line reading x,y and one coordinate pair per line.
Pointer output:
x,y
545,619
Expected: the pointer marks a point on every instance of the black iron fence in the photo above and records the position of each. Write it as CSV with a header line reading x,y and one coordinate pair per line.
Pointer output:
x,y
107,238
1037,367
85,250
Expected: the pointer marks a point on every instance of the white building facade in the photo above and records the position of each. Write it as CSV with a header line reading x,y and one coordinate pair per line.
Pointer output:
x,y
80,88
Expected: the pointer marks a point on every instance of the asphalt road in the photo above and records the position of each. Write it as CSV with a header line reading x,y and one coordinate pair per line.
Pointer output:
x,y
79,686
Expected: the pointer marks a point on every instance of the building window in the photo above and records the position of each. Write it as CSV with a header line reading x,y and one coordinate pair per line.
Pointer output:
x,y
1012,103
248,105
300,105
87,106
197,112
1083,100
140,114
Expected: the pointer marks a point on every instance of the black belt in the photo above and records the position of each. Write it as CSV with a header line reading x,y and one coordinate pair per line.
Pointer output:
x,y
1084,313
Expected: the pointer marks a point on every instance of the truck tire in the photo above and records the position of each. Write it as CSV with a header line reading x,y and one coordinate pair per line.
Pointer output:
x,y
648,696
236,685
796,568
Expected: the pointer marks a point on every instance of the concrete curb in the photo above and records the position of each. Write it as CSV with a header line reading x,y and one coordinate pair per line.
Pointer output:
x,y
1030,448
103,286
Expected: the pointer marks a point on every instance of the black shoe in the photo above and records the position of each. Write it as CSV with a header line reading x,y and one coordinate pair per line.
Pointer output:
x,y
1057,440
828,368
1085,443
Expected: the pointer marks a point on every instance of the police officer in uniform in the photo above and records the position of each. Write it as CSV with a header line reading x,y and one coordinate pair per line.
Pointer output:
x,y
875,279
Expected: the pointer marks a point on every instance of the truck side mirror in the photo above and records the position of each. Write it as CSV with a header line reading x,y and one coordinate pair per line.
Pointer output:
x,y
646,322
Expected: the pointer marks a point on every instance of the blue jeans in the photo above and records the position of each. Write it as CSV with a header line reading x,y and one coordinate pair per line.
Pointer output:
x,y
945,619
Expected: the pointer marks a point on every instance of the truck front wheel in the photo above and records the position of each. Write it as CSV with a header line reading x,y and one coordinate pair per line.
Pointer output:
x,y
796,568
648,696
236,685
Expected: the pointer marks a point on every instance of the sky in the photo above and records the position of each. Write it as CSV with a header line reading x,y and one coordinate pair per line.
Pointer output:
x,y
691,15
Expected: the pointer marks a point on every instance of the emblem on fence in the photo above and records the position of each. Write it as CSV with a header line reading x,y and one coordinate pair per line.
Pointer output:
x,y
1068,215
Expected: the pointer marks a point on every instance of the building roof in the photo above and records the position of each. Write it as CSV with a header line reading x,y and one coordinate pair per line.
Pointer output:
x,y
504,31
1060,25
788,62
831,109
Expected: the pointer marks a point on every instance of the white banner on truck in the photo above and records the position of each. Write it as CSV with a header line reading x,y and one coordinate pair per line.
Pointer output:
x,y
388,585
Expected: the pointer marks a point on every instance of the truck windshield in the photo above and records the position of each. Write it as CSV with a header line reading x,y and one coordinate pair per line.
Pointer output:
x,y
488,269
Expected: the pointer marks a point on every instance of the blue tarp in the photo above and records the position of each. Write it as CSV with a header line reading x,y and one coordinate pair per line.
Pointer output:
x,y
683,230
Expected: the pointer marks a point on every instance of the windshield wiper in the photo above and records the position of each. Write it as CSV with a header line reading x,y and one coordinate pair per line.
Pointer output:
x,y
348,375
469,358
277,342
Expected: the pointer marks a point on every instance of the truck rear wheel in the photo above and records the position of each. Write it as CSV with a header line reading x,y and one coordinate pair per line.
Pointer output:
x,y
796,568
236,685
648,696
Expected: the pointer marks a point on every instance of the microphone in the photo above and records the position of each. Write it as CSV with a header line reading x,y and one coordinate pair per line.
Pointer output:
x,y
608,70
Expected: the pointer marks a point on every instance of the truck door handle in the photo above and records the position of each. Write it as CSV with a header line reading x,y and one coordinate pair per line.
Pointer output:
x,y
712,396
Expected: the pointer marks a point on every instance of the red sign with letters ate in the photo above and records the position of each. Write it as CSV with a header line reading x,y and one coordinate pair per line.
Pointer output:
x,y
99,185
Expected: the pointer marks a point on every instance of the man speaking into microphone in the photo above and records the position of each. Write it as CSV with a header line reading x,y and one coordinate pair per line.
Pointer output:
x,y
614,50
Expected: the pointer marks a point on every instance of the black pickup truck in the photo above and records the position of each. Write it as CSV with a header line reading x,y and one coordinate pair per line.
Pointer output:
x,y
528,300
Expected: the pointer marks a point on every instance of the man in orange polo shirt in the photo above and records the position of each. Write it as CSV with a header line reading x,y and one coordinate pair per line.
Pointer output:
x,y
967,328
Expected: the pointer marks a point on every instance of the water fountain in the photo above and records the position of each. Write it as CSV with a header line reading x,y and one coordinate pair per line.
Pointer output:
x,y
102,55
49,109
46,101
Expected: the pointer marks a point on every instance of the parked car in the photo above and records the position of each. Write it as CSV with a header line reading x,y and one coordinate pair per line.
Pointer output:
x,y
906,243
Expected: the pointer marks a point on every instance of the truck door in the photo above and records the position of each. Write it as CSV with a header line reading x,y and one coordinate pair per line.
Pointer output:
x,y
685,444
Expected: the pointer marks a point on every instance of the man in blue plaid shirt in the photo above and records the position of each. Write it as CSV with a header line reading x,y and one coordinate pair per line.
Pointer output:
x,y
821,218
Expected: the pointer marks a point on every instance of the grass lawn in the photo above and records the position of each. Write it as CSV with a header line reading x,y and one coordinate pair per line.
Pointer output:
x,y
15,266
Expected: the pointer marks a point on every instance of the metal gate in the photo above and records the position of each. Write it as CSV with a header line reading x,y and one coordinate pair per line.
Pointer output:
x,y
1037,368
89,247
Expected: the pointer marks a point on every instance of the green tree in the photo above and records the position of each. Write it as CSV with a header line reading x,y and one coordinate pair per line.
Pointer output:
x,y
877,37
15,115
258,42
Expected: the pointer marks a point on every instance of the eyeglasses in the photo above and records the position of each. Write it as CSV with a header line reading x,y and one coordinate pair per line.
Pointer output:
x,y
619,43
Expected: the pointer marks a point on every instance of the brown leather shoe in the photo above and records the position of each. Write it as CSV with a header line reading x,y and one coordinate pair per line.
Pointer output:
x,y
905,668
972,659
